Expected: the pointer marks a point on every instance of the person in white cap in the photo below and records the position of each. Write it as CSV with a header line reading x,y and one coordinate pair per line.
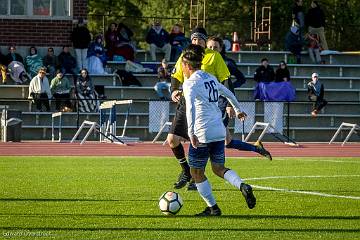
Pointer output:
x,y
316,94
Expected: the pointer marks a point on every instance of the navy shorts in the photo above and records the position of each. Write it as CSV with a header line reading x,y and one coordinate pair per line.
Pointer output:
x,y
199,156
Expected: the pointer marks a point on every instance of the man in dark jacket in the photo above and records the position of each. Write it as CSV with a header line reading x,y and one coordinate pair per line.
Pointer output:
x,y
81,38
67,62
315,20
13,56
264,73
158,39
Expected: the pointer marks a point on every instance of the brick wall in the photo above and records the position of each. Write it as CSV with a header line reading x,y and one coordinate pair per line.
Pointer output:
x,y
44,32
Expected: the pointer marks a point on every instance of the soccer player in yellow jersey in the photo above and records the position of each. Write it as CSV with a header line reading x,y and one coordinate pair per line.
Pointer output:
x,y
214,64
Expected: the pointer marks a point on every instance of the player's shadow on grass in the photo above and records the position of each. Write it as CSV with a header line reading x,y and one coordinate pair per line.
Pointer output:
x,y
184,229
68,200
245,217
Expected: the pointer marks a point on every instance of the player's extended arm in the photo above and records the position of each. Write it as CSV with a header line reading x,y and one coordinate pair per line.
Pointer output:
x,y
233,101
229,109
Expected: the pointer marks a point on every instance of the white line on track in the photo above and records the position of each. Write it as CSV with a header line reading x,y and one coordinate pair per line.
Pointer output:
x,y
305,192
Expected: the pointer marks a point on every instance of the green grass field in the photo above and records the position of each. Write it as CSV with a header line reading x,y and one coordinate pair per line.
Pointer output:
x,y
116,198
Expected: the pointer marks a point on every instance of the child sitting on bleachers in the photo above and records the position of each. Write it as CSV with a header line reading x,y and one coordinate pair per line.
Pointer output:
x,y
313,41
164,80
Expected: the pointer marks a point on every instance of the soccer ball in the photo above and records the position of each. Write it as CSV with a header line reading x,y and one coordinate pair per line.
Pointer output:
x,y
170,203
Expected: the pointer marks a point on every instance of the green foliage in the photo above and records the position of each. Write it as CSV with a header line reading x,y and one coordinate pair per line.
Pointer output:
x,y
226,16
117,197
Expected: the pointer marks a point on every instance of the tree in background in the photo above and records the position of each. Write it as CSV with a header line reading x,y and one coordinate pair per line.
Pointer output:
x,y
227,16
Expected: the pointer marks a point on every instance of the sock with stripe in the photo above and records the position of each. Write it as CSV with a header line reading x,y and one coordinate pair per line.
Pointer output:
x,y
180,156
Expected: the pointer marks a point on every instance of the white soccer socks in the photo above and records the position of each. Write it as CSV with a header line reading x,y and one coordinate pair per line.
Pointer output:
x,y
233,178
204,189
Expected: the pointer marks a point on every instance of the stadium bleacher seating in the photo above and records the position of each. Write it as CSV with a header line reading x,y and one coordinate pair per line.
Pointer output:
x,y
341,80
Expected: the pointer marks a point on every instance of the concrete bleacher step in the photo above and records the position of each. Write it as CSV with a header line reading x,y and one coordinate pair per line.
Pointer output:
x,y
241,56
273,56
324,70
149,80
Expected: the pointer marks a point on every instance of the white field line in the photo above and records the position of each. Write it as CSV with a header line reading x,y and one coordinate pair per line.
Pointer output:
x,y
318,160
315,176
305,192
304,160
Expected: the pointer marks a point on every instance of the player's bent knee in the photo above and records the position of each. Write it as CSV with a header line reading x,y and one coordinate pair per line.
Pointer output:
x,y
173,140
198,174
218,170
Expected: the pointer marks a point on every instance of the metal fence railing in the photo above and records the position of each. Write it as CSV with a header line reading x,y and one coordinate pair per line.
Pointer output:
x,y
146,116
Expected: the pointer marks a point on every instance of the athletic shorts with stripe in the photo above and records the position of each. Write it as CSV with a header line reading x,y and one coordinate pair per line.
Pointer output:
x,y
199,156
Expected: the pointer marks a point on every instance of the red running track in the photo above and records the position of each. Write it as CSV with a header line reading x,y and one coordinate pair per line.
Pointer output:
x,y
41,148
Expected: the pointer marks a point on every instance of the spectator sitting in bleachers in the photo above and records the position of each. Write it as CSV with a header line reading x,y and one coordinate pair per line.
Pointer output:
x,y
96,56
264,73
293,43
282,73
39,90
158,39
164,80
85,92
178,41
60,89
124,46
313,41
66,61
33,62
13,56
279,90
51,62
316,93
3,68
216,44
111,39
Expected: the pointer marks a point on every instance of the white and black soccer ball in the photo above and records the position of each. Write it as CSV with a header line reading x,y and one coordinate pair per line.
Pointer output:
x,y
170,203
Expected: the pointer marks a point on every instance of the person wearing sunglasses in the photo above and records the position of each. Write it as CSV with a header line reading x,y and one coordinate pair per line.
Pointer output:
x,y
39,90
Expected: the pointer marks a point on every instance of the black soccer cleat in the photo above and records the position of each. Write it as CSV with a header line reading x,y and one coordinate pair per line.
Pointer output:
x,y
182,180
192,186
210,212
262,151
248,194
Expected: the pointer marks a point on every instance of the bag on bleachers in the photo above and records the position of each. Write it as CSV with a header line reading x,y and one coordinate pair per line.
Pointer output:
x,y
136,67
95,66
127,78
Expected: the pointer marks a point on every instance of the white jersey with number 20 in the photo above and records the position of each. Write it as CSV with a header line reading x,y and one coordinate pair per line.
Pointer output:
x,y
203,115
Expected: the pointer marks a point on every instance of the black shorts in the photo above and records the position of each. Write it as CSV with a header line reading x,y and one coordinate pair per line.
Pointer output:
x,y
222,105
179,123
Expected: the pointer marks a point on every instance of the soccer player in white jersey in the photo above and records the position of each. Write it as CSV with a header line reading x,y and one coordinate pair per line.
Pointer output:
x,y
206,131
